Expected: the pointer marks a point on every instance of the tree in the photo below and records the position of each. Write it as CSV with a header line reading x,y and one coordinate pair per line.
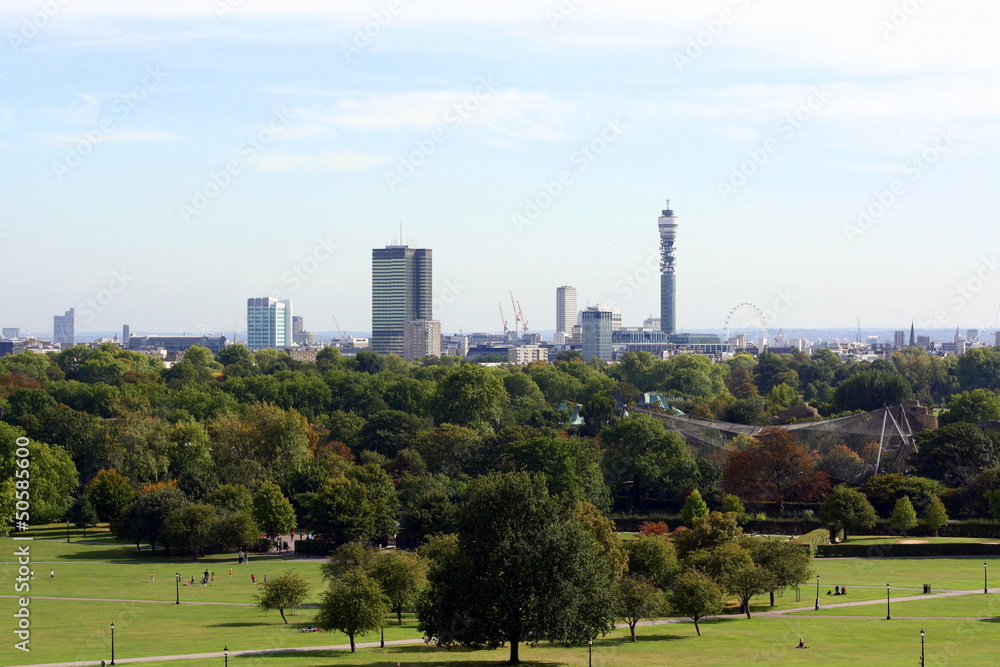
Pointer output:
x,y
903,516
979,368
143,520
470,395
82,514
644,464
272,511
694,507
231,497
871,390
281,592
973,407
523,569
775,467
936,516
848,509
695,596
402,576
192,525
353,604
732,503
955,453
884,490
639,599
653,558
341,512
788,563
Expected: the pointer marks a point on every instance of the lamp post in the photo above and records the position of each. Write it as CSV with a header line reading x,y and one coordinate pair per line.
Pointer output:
x,y
225,652
921,648
888,616
67,531
817,592
984,577
177,586
590,653
112,642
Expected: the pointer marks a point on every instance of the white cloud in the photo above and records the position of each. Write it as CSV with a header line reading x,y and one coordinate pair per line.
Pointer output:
x,y
288,161
741,135
513,113
98,137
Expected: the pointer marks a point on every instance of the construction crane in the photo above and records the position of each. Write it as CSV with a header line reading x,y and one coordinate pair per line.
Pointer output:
x,y
503,319
338,327
778,337
518,315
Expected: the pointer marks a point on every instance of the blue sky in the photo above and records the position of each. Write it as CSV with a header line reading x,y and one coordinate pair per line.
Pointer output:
x,y
161,162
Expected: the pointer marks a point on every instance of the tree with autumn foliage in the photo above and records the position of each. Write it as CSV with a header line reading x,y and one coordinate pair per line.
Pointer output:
x,y
774,467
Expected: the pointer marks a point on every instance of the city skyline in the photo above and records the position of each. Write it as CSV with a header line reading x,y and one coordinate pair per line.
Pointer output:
x,y
160,162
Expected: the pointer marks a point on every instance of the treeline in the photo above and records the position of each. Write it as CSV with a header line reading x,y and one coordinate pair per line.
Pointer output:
x,y
369,446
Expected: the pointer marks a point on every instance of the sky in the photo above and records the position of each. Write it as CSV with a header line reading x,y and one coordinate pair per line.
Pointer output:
x,y
161,162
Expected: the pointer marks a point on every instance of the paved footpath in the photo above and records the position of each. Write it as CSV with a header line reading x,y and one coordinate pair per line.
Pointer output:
x,y
410,642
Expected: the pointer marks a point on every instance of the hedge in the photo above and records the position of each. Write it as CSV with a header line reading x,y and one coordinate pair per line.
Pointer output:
x,y
813,539
907,550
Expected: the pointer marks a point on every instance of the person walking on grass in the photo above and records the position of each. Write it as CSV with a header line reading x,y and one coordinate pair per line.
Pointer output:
x,y
253,579
211,579
230,573
151,578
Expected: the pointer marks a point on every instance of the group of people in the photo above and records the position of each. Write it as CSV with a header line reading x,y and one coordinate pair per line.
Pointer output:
x,y
838,590
244,557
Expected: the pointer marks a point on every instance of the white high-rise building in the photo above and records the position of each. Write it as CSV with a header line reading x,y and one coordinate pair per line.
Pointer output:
x,y
565,309
269,323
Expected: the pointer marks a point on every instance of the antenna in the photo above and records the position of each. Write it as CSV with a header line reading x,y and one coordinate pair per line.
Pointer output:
x,y
859,329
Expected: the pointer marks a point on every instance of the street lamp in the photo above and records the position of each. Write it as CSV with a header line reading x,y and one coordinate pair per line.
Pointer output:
x,y
888,616
984,578
590,652
177,585
112,642
817,592
67,531
225,652
921,648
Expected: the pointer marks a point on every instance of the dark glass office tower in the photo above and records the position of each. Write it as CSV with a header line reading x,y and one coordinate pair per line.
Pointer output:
x,y
668,259
401,291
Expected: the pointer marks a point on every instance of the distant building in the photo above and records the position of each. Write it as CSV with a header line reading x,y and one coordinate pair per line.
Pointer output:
x,y
173,344
421,338
924,341
598,325
972,335
126,334
652,324
899,339
6,347
299,334
269,323
63,329
11,332
526,354
401,291
565,308
455,345
576,336
667,225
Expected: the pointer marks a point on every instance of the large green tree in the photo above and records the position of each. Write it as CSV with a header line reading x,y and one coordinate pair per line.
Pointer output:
x,y
639,599
470,395
848,509
272,511
354,604
523,569
695,595
285,591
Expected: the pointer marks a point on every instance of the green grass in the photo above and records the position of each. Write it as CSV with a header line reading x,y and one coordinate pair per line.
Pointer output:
x,y
66,630
725,643
969,606
895,539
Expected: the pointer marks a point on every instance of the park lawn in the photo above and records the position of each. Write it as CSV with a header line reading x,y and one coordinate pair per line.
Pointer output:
x,y
976,605
725,643
906,573
100,571
57,531
895,539
66,630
